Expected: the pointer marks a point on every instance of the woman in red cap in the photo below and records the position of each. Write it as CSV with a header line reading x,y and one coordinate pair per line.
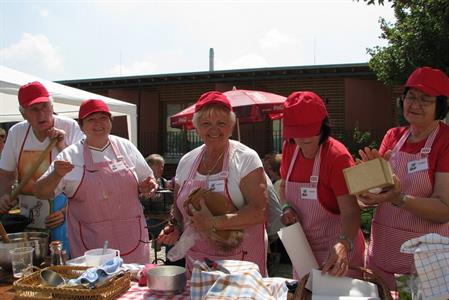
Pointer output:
x,y
313,186
232,169
419,155
102,176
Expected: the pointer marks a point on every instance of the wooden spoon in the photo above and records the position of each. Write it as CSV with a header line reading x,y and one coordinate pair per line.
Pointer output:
x,y
33,169
4,234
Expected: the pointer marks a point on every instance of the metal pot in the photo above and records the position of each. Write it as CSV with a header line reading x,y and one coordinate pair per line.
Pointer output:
x,y
37,240
167,279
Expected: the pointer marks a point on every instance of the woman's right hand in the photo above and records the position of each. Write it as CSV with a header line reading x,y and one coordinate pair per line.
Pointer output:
x,y
62,167
169,235
368,154
289,216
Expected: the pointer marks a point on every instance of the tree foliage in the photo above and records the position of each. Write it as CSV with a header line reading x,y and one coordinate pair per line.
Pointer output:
x,y
420,37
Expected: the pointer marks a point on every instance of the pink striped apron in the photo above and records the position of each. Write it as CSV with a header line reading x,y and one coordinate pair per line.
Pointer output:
x,y
255,240
392,226
106,207
321,227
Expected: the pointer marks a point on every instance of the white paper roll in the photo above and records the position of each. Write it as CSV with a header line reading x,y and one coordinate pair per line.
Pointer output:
x,y
298,249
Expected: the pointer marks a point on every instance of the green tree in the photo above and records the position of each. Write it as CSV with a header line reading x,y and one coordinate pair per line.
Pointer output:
x,y
420,37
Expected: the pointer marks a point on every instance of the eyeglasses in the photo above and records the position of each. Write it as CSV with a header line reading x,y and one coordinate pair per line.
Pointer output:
x,y
421,101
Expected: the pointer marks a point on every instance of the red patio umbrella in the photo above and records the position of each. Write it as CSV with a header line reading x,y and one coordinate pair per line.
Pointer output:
x,y
248,106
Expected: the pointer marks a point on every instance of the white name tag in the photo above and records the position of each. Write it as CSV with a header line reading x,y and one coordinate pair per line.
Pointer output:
x,y
309,193
117,166
217,185
417,165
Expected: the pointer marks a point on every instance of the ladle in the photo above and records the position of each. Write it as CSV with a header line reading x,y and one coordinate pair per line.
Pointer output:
x,y
51,278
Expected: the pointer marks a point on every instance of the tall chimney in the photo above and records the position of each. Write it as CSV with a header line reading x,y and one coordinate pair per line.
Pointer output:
x,y
211,59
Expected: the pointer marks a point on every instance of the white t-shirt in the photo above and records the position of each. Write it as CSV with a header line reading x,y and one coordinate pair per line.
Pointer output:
x,y
242,161
74,154
16,136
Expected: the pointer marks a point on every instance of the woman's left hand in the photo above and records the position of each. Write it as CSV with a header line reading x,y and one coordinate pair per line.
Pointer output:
x,y
337,263
202,219
388,195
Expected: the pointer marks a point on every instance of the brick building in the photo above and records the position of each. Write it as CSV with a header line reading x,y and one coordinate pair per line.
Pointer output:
x,y
353,96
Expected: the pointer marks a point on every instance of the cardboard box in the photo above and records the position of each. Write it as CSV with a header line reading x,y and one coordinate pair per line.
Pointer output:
x,y
375,173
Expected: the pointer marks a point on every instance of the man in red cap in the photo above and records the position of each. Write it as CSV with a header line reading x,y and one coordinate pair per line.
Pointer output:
x,y
26,141
419,156
102,175
313,186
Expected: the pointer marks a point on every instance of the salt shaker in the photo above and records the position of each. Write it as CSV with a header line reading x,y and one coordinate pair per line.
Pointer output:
x,y
56,257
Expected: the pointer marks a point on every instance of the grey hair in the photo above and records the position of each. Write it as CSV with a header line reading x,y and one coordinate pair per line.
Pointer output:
x,y
209,110
153,159
22,109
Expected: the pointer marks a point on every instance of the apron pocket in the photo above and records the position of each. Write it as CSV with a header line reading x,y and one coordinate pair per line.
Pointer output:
x,y
124,235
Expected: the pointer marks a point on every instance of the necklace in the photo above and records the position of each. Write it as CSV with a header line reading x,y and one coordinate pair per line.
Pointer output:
x,y
208,171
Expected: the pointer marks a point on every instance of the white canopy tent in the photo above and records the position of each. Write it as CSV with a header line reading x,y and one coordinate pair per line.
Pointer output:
x,y
66,100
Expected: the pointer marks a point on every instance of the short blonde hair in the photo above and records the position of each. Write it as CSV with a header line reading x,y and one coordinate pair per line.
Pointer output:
x,y
210,109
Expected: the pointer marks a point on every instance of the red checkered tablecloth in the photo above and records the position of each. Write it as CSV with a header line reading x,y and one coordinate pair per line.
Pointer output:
x,y
142,292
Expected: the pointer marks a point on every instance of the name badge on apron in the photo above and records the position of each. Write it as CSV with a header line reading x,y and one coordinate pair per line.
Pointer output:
x,y
417,165
309,193
217,185
117,166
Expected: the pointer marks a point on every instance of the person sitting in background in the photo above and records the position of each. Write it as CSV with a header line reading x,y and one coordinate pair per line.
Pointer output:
x,y
157,164
272,165
418,203
235,171
102,175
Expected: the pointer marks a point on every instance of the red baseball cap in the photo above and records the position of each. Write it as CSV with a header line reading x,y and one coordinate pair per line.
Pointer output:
x,y
212,97
304,113
433,82
91,106
32,93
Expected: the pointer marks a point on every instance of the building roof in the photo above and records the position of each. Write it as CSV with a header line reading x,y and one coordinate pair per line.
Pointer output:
x,y
338,70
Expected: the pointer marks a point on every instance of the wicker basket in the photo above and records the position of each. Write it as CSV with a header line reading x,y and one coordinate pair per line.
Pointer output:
x,y
384,292
30,287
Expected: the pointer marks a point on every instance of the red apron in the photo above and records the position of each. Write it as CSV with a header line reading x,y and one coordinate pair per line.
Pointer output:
x,y
321,227
392,226
255,240
106,207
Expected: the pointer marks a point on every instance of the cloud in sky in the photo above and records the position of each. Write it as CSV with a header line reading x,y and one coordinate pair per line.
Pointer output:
x,y
87,39
33,52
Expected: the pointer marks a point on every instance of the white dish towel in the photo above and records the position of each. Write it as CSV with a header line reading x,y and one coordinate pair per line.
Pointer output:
x,y
431,254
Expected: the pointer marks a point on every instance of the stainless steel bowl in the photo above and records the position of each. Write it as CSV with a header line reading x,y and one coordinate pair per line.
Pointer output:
x,y
37,240
167,279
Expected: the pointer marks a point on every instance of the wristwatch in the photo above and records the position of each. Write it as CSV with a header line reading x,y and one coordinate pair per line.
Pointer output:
x,y
348,240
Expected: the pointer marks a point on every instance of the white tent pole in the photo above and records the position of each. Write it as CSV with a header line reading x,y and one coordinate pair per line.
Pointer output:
x,y
238,128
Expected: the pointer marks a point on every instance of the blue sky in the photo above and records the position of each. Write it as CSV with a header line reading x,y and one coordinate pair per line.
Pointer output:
x,y
79,39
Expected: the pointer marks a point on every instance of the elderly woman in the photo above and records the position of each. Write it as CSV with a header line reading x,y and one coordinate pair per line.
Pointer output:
x,y
313,186
235,171
419,155
102,176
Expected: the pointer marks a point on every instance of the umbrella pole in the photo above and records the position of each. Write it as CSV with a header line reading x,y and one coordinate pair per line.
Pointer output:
x,y
238,129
